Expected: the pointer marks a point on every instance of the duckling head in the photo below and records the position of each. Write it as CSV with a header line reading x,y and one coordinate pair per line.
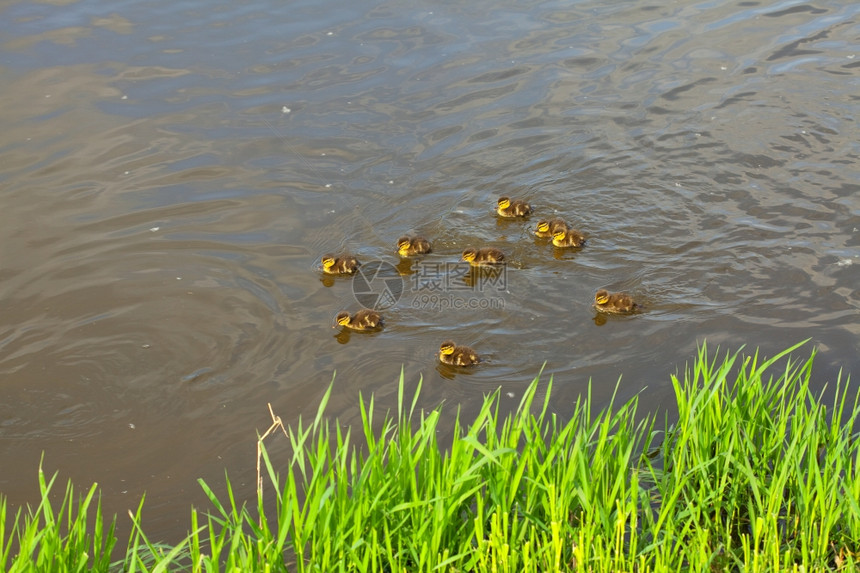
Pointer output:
x,y
470,254
403,244
543,226
559,235
328,261
342,318
447,347
602,296
504,202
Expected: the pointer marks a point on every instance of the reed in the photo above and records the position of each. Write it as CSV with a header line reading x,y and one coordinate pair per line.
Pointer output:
x,y
757,474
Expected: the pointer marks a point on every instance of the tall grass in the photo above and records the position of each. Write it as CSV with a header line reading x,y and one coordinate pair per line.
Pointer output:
x,y
757,474
50,539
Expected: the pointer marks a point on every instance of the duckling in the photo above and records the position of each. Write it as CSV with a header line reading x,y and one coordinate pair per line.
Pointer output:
x,y
364,319
483,256
618,303
345,265
450,353
547,228
567,238
513,208
407,246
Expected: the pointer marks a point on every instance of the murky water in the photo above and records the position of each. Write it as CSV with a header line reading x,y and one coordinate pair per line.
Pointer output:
x,y
172,173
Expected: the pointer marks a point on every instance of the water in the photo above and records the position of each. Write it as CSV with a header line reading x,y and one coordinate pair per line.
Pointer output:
x,y
172,173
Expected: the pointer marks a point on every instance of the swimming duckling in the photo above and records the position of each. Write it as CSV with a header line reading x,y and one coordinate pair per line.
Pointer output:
x,y
450,353
407,246
546,229
513,208
483,256
618,303
567,238
364,319
345,265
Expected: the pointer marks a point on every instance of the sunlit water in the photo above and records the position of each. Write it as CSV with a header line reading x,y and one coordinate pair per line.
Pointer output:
x,y
172,173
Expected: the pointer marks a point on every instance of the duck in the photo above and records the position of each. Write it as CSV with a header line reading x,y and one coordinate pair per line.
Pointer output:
x,y
547,228
407,246
450,353
617,303
345,265
567,238
483,256
513,208
364,319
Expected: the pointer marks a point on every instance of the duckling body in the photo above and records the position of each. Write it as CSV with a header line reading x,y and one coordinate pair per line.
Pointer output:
x,y
408,246
568,238
483,256
617,303
344,265
513,208
364,319
546,229
450,353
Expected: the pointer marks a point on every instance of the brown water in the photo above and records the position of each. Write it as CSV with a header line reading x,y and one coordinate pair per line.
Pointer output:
x,y
172,172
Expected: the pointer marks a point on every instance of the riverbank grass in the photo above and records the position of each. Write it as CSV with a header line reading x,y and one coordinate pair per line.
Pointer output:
x,y
756,474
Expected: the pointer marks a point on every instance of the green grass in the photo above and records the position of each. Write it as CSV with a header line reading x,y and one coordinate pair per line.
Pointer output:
x,y
757,474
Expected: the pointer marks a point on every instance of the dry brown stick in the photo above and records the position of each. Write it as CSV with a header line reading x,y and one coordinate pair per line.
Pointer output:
x,y
276,423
